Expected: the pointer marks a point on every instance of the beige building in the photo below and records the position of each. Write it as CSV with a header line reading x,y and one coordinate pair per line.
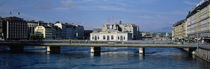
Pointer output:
x,y
198,21
195,25
47,32
40,30
179,30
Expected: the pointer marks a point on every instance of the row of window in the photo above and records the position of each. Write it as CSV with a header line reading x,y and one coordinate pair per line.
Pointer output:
x,y
108,37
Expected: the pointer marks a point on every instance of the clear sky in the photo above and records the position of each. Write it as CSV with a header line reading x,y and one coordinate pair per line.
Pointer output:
x,y
150,15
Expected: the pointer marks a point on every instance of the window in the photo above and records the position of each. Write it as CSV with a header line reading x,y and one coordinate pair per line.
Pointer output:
x,y
92,37
118,38
104,37
95,37
112,37
98,37
107,37
121,37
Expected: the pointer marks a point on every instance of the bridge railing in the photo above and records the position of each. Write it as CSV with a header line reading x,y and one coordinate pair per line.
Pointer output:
x,y
107,42
46,42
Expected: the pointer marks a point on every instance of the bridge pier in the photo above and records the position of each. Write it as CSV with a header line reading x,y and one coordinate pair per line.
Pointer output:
x,y
53,49
190,50
95,51
142,51
16,49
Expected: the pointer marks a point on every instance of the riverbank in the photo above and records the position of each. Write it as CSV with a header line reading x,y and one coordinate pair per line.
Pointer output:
x,y
203,53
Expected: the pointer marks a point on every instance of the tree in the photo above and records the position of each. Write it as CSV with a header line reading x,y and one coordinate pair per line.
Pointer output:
x,y
36,36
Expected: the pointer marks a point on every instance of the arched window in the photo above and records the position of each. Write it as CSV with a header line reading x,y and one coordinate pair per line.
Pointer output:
x,y
118,38
112,37
107,37
98,38
104,37
121,37
95,37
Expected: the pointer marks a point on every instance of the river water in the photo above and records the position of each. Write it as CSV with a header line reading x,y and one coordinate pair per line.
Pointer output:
x,y
111,58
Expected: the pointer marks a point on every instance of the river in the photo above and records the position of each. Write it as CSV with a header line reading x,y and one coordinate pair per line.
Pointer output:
x,y
111,58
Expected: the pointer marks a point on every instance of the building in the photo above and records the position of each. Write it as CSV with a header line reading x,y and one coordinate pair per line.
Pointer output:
x,y
198,21
127,28
146,35
110,36
48,32
70,31
196,25
116,32
87,34
155,36
31,25
1,29
14,28
179,30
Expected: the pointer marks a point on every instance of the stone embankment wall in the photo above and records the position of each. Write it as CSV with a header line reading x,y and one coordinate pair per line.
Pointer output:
x,y
203,53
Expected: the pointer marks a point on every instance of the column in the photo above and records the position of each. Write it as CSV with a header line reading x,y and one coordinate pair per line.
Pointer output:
x,y
191,51
96,51
53,49
142,51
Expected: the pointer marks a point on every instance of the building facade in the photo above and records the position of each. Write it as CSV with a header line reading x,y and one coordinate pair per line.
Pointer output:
x,y
199,22
14,28
1,28
31,27
196,25
48,32
179,30
70,31
116,32
110,36
127,28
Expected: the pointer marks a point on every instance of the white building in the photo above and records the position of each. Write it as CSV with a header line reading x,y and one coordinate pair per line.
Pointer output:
x,y
110,36
116,32
127,28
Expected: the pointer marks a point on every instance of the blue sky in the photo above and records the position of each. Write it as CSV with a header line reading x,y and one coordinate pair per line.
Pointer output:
x,y
150,15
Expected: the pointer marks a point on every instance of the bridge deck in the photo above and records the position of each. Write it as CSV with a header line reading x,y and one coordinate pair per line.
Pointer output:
x,y
86,43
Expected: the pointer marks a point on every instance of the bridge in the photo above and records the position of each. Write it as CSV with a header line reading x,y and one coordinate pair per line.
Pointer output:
x,y
54,45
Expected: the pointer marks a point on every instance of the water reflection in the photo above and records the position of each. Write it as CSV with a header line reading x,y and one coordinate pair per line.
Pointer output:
x,y
124,58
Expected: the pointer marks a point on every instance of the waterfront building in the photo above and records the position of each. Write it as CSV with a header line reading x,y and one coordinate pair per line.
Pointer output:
x,y
116,32
198,21
87,34
127,28
31,26
146,35
1,29
179,30
14,28
110,36
70,31
196,25
48,32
